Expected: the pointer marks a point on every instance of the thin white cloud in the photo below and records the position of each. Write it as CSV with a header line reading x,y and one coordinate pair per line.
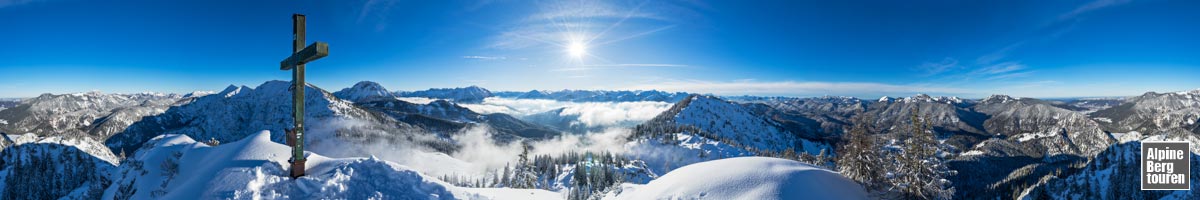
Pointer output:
x,y
1052,29
565,10
934,68
1089,7
1011,75
377,10
7,3
485,57
616,66
593,22
1001,68
638,65
794,88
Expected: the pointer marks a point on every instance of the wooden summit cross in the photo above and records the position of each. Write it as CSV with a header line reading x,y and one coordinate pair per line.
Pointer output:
x,y
295,62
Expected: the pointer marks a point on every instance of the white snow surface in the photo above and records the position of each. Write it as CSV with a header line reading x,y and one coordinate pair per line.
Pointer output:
x,y
746,178
256,168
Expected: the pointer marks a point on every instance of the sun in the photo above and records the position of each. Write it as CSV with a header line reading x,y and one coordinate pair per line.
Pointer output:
x,y
577,49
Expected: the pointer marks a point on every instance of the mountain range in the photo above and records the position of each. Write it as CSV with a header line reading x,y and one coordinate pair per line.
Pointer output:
x,y
997,145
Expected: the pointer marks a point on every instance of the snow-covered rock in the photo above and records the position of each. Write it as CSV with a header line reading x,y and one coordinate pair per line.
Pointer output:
x,y
746,178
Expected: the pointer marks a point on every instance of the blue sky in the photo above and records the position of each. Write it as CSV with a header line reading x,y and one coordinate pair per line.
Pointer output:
x,y
789,48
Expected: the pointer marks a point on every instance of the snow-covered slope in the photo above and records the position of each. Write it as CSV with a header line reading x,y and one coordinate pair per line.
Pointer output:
x,y
178,167
238,111
470,94
91,113
364,90
747,178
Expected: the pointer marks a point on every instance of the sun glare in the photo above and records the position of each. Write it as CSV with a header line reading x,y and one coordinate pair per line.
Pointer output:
x,y
576,49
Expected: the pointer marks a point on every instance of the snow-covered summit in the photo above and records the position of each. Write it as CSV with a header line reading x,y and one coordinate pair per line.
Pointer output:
x,y
997,98
364,90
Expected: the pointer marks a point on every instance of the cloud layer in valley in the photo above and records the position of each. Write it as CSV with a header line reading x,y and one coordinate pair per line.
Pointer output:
x,y
591,114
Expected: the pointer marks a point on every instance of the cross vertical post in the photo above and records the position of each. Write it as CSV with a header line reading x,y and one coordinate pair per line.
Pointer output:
x,y
295,62
298,98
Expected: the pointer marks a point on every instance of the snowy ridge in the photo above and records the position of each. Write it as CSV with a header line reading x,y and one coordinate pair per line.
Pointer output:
x,y
729,120
90,113
1152,112
812,118
1047,128
469,94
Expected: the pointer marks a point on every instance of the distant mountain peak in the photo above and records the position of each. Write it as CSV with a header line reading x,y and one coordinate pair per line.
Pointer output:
x,y
998,98
469,94
364,90
927,98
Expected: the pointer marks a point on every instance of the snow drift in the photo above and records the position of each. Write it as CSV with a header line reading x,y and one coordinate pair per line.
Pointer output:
x,y
747,178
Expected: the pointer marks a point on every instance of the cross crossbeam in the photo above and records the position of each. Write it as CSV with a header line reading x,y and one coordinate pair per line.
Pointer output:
x,y
314,51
